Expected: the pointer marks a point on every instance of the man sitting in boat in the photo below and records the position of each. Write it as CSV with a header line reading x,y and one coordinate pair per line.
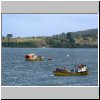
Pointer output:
x,y
82,68
74,70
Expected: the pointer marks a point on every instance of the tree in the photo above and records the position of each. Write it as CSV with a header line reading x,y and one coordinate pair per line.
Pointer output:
x,y
70,38
9,36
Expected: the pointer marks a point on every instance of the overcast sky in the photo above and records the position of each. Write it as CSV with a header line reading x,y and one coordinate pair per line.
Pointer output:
x,y
26,25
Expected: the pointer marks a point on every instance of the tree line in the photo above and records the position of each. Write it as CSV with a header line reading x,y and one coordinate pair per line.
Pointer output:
x,y
63,40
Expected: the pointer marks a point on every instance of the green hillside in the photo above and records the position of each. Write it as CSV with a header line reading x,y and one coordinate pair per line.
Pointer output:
x,y
80,39
89,33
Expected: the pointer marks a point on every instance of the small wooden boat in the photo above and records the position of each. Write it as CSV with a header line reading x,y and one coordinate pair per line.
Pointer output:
x,y
33,57
66,72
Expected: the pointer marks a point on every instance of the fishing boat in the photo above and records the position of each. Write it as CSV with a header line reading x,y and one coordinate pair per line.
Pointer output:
x,y
33,57
74,72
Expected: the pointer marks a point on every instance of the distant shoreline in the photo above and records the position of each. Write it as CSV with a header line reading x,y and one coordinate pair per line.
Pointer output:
x,y
80,39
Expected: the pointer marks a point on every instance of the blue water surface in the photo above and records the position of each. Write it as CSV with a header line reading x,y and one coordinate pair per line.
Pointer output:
x,y
18,72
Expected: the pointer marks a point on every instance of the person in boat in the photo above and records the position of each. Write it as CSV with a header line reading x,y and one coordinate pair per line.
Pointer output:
x,y
74,70
82,68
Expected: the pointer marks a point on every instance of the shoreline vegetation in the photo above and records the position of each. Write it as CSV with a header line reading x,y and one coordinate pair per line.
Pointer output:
x,y
80,39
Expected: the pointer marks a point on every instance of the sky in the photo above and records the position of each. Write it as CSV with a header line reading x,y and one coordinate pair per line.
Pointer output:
x,y
28,25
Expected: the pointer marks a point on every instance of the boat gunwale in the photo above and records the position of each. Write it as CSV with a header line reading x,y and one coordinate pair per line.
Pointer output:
x,y
70,73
